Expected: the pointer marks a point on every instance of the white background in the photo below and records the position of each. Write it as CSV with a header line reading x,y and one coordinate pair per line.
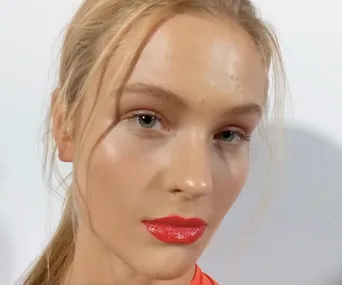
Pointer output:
x,y
299,239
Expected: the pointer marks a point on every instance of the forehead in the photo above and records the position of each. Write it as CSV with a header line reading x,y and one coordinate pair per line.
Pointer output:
x,y
204,60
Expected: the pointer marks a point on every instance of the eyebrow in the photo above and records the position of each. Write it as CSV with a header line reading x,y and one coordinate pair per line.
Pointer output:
x,y
156,91
244,109
174,99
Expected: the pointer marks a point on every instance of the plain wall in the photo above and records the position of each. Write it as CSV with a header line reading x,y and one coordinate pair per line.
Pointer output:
x,y
297,241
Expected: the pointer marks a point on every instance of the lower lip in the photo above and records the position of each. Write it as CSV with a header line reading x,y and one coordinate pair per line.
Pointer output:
x,y
175,234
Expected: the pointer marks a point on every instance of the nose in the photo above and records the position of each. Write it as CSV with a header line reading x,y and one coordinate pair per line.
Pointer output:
x,y
190,172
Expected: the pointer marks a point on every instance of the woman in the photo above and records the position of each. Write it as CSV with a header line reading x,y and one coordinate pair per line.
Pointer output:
x,y
155,106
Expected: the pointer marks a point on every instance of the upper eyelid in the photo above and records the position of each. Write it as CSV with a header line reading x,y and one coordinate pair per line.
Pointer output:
x,y
244,135
234,131
142,112
149,113
240,130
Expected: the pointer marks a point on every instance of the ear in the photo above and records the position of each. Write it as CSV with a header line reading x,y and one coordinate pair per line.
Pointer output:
x,y
62,133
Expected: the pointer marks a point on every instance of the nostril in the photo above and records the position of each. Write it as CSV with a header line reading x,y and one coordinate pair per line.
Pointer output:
x,y
176,191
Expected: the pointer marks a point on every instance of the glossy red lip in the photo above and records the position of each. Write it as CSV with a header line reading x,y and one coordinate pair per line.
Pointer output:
x,y
176,230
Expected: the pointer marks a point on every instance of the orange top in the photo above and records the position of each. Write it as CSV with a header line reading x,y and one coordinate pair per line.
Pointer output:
x,y
201,278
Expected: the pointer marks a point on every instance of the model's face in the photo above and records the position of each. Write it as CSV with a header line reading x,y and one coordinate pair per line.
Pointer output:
x,y
180,147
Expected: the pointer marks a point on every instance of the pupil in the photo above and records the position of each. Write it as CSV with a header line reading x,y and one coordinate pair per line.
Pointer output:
x,y
146,120
227,135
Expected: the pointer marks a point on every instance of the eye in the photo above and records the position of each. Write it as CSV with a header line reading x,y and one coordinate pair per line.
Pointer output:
x,y
231,137
147,121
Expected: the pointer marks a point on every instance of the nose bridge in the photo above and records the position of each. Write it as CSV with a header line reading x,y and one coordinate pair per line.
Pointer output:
x,y
191,171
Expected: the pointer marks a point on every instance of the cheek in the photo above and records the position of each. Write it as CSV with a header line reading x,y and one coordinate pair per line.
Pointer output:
x,y
230,180
113,185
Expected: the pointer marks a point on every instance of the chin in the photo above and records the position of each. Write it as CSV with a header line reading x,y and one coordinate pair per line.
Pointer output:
x,y
162,272
168,264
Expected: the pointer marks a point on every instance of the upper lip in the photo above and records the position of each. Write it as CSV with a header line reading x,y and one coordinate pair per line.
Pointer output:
x,y
178,221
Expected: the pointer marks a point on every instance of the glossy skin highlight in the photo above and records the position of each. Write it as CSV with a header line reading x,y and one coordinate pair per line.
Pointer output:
x,y
180,147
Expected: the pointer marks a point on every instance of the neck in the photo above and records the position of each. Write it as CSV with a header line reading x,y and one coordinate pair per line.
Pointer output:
x,y
93,264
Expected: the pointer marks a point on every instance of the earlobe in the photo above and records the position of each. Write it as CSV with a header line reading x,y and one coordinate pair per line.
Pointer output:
x,y
61,131
65,148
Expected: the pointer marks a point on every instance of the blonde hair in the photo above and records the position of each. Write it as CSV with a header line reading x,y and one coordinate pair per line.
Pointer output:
x,y
94,34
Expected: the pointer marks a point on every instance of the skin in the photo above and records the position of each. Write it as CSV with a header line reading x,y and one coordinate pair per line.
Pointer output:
x,y
192,160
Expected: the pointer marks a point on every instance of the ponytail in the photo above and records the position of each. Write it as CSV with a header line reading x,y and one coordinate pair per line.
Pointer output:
x,y
52,266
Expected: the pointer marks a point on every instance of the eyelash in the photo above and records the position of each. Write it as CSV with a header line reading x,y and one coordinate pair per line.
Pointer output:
x,y
138,114
241,136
